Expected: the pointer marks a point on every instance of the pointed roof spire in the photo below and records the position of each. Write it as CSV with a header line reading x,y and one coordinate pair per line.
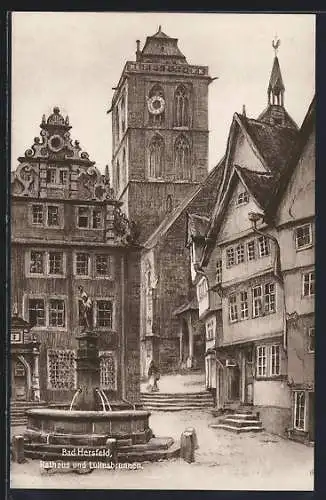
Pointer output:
x,y
276,86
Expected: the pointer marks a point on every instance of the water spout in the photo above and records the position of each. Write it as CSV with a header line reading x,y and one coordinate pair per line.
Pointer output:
x,y
73,399
106,399
102,399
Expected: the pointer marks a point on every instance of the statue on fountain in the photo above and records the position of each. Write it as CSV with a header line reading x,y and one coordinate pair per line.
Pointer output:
x,y
87,305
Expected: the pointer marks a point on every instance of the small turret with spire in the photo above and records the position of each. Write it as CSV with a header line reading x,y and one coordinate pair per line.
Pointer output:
x,y
275,113
276,87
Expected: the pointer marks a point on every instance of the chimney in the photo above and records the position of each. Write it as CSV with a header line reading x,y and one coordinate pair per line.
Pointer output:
x,y
244,111
137,50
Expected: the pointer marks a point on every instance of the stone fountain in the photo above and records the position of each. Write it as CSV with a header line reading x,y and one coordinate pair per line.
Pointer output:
x,y
92,421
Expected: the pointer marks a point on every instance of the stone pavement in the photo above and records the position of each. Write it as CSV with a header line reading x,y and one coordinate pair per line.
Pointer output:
x,y
177,383
224,461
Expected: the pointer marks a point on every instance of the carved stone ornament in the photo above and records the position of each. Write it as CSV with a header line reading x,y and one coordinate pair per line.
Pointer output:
x,y
127,231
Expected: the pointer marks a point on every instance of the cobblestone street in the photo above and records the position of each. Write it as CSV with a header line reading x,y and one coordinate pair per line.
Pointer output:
x,y
224,461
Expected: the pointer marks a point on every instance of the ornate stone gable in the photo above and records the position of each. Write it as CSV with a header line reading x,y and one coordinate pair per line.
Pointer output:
x,y
56,167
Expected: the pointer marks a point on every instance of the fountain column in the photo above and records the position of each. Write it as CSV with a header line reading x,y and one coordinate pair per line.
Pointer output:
x,y
88,371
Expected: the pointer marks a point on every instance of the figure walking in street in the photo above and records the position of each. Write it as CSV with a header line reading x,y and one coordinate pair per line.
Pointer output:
x,y
153,377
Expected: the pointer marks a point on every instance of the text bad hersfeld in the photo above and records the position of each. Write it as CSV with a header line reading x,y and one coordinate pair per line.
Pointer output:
x,y
84,452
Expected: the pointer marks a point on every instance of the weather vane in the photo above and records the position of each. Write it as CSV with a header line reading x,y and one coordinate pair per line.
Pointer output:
x,y
276,43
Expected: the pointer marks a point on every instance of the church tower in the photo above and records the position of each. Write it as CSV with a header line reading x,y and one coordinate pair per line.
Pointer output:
x,y
160,131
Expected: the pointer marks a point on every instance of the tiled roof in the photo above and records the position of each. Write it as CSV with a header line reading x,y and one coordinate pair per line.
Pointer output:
x,y
303,136
207,190
275,143
161,45
197,225
259,184
187,306
273,112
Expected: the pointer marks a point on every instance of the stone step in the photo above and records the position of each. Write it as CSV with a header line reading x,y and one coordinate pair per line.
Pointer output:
x,y
177,395
178,403
240,423
232,428
177,400
176,408
243,416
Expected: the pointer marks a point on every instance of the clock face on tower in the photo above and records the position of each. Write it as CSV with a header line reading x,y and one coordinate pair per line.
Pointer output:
x,y
156,105
56,143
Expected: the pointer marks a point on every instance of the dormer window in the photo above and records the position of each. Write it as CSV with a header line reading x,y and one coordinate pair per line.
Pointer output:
x,y
242,198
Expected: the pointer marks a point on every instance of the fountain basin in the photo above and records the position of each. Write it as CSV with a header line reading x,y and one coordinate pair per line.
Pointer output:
x,y
50,424
49,431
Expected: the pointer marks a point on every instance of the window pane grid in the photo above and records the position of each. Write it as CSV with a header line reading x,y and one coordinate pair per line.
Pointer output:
x,y
97,219
257,301
240,254
55,263
219,271
303,236
61,369
309,284
82,264
261,361
275,360
299,410
104,313
108,372
37,262
53,216
37,214
36,312
263,246
102,265
83,217
269,298
230,257
244,310
251,250
57,313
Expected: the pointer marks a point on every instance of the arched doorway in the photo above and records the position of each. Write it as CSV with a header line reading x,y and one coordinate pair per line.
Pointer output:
x,y
20,379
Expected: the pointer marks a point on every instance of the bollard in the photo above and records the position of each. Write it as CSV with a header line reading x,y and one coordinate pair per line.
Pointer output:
x,y
18,449
111,444
194,437
187,451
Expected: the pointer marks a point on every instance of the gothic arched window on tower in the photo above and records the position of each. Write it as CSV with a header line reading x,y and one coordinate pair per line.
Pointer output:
x,y
182,158
156,157
181,107
156,106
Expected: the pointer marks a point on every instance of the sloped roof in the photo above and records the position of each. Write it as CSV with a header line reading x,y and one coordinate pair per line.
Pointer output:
x,y
276,84
161,45
303,137
274,143
260,185
197,225
208,189
187,306
274,111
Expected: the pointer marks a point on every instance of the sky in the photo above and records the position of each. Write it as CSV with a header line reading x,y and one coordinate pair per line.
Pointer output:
x,y
72,60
